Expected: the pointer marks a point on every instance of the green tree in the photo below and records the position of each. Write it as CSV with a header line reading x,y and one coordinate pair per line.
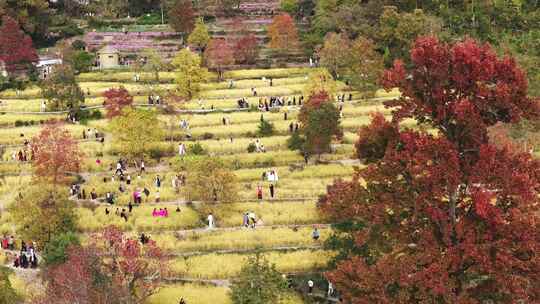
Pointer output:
x,y
154,63
265,128
334,53
210,180
259,283
289,6
355,61
8,295
397,31
320,124
190,74
136,132
295,142
82,61
199,37
62,90
55,252
364,66
41,212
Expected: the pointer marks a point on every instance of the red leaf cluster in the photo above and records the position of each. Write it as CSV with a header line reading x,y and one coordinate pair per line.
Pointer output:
x,y
449,218
116,100
111,269
218,54
16,49
246,49
314,102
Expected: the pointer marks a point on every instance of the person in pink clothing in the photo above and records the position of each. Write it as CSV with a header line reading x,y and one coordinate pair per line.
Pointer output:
x,y
154,213
165,212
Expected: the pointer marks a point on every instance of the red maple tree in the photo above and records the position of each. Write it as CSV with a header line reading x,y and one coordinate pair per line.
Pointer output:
x,y
446,218
116,100
218,55
182,16
246,49
55,153
112,268
16,49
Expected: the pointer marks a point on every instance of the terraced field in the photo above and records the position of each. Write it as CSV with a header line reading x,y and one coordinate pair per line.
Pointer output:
x,y
203,261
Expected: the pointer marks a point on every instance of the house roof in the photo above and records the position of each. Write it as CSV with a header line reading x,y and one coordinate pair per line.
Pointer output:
x,y
108,50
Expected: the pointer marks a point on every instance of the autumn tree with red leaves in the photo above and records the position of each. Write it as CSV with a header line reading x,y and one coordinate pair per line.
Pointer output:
x,y
246,49
182,16
446,218
218,55
283,33
116,100
16,49
112,268
55,154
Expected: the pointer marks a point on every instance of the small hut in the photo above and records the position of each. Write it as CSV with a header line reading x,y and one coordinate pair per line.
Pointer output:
x,y
108,57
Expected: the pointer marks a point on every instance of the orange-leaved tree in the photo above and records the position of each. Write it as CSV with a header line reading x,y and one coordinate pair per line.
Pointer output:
x,y
56,154
283,33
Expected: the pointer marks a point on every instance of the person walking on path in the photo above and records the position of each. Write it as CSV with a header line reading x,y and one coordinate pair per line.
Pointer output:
x,y
259,193
211,223
271,190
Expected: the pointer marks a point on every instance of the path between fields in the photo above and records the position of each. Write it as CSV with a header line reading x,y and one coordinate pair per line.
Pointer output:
x,y
225,229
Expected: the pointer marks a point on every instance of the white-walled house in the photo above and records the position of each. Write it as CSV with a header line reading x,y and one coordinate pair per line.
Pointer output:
x,y
45,65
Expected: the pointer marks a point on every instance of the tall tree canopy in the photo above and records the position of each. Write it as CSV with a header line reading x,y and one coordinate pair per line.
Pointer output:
x,y
41,212
320,123
211,180
116,100
355,61
199,37
190,74
259,283
56,154
283,33
182,16
62,90
135,132
16,49
218,55
446,218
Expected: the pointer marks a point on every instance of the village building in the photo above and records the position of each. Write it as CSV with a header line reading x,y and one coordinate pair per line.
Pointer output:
x,y
108,57
46,64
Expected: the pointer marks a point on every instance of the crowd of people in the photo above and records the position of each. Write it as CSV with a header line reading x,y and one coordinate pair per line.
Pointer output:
x,y
27,256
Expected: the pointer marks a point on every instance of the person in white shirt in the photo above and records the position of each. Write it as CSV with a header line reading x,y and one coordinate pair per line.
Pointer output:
x,y
310,286
210,221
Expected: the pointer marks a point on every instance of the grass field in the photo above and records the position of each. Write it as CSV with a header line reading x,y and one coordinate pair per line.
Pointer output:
x,y
286,222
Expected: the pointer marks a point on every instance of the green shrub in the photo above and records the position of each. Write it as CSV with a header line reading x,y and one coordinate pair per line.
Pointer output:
x,y
196,149
266,128
207,135
78,45
251,148
295,142
55,251
149,19
289,6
